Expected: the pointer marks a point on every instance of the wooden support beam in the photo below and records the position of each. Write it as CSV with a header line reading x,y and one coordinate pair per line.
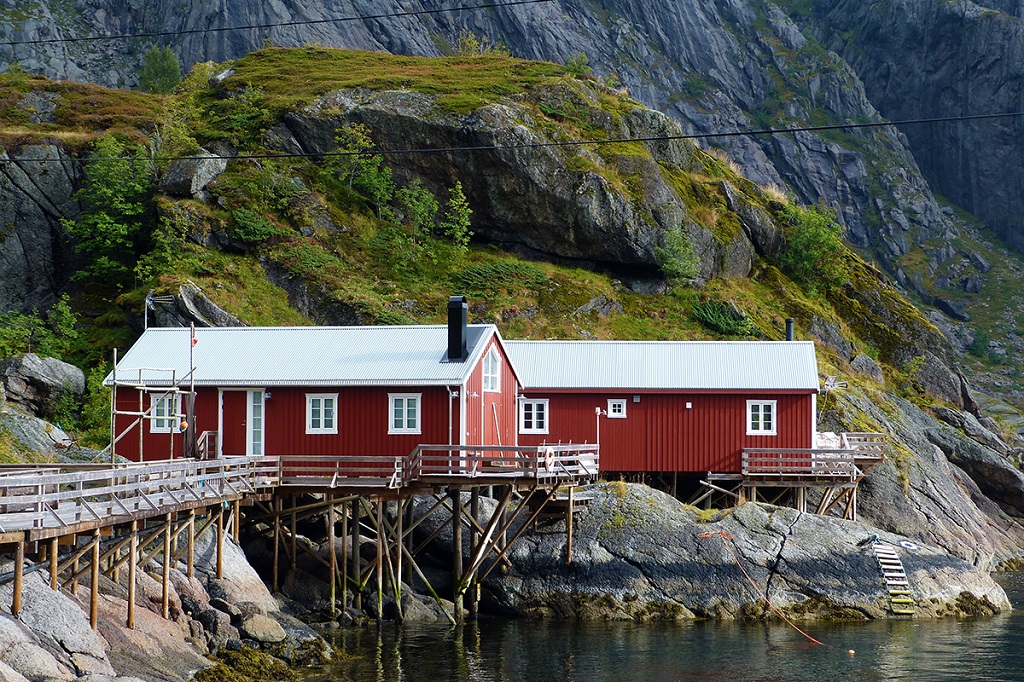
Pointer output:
x,y
54,562
569,521
294,523
94,579
344,557
133,561
380,559
474,542
274,569
165,592
357,599
237,507
19,576
332,558
191,543
459,587
220,542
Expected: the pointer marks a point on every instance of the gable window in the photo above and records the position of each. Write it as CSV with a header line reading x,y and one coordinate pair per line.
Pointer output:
x,y
404,409
760,417
617,409
321,413
533,416
166,411
492,371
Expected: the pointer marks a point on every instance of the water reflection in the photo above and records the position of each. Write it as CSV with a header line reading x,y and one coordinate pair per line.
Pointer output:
x,y
530,651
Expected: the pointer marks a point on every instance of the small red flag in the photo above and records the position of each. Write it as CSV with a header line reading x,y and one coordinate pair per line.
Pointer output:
x,y
194,339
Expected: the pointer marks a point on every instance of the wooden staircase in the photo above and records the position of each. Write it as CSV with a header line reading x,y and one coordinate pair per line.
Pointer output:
x,y
900,601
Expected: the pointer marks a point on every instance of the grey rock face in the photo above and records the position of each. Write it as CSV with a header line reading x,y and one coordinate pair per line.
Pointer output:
x,y
643,556
192,306
865,365
189,177
38,384
36,258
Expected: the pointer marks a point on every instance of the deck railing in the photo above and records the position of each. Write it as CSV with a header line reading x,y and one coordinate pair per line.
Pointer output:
x,y
62,496
544,463
768,463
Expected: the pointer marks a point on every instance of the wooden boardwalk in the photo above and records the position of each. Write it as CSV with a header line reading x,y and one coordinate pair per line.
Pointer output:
x,y
45,506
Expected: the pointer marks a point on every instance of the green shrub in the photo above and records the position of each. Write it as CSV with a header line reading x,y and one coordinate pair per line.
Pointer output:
x,y
52,336
677,259
251,227
484,278
721,317
160,72
455,224
814,254
979,344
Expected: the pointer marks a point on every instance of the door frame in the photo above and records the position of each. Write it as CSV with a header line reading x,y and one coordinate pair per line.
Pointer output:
x,y
248,418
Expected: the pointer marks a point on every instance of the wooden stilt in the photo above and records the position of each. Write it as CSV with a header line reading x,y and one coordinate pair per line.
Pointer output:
x,y
457,578
294,523
357,598
220,542
54,562
274,569
237,514
74,571
19,574
380,559
332,557
474,541
191,543
400,539
568,525
133,552
344,557
165,592
94,580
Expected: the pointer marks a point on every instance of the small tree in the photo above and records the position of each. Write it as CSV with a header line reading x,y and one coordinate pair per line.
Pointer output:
x,y
814,254
677,259
420,208
111,230
455,224
160,72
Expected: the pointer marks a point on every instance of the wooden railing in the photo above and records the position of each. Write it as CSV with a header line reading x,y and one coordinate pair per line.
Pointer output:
x,y
544,463
780,463
64,496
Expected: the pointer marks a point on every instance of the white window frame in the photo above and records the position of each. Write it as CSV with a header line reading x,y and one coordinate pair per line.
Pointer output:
x,y
322,429
492,371
163,421
617,403
757,407
533,403
403,426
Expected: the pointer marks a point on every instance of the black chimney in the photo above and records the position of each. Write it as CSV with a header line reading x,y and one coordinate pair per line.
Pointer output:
x,y
789,328
457,313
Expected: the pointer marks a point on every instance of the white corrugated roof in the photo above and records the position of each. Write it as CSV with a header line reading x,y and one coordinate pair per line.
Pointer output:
x,y
665,365
306,356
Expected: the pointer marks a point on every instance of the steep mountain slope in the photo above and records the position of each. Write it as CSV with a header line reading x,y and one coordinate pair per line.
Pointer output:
x,y
279,219
716,67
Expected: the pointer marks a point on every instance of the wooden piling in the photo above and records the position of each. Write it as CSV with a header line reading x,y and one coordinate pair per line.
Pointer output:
x,y
380,558
54,563
220,542
165,593
94,579
331,556
344,558
474,541
274,570
357,598
459,591
19,576
133,552
568,528
191,551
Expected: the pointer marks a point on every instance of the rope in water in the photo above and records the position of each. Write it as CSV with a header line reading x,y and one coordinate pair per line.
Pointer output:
x,y
725,536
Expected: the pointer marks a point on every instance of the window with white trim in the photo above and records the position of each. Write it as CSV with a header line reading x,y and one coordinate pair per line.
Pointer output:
x,y
761,417
165,411
616,408
492,371
533,416
322,413
404,409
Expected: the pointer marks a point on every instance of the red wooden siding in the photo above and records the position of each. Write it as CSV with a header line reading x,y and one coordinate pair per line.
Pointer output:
x,y
493,412
156,446
659,434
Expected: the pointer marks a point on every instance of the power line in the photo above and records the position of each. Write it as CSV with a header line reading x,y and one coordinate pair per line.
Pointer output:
x,y
310,22
537,145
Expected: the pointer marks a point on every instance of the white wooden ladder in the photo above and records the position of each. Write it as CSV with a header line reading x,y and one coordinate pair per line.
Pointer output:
x,y
900,601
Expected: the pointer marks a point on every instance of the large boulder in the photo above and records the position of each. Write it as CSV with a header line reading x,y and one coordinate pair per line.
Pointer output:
x,y
189,177
39,384
639,555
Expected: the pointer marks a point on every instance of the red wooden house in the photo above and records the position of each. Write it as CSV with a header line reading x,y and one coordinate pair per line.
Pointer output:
x,y
684,407
351,391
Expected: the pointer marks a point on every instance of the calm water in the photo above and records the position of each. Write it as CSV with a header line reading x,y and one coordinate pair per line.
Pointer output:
x,y
530,651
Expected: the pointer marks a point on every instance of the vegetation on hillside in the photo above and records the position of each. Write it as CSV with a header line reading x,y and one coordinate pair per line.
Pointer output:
x,y
351,237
